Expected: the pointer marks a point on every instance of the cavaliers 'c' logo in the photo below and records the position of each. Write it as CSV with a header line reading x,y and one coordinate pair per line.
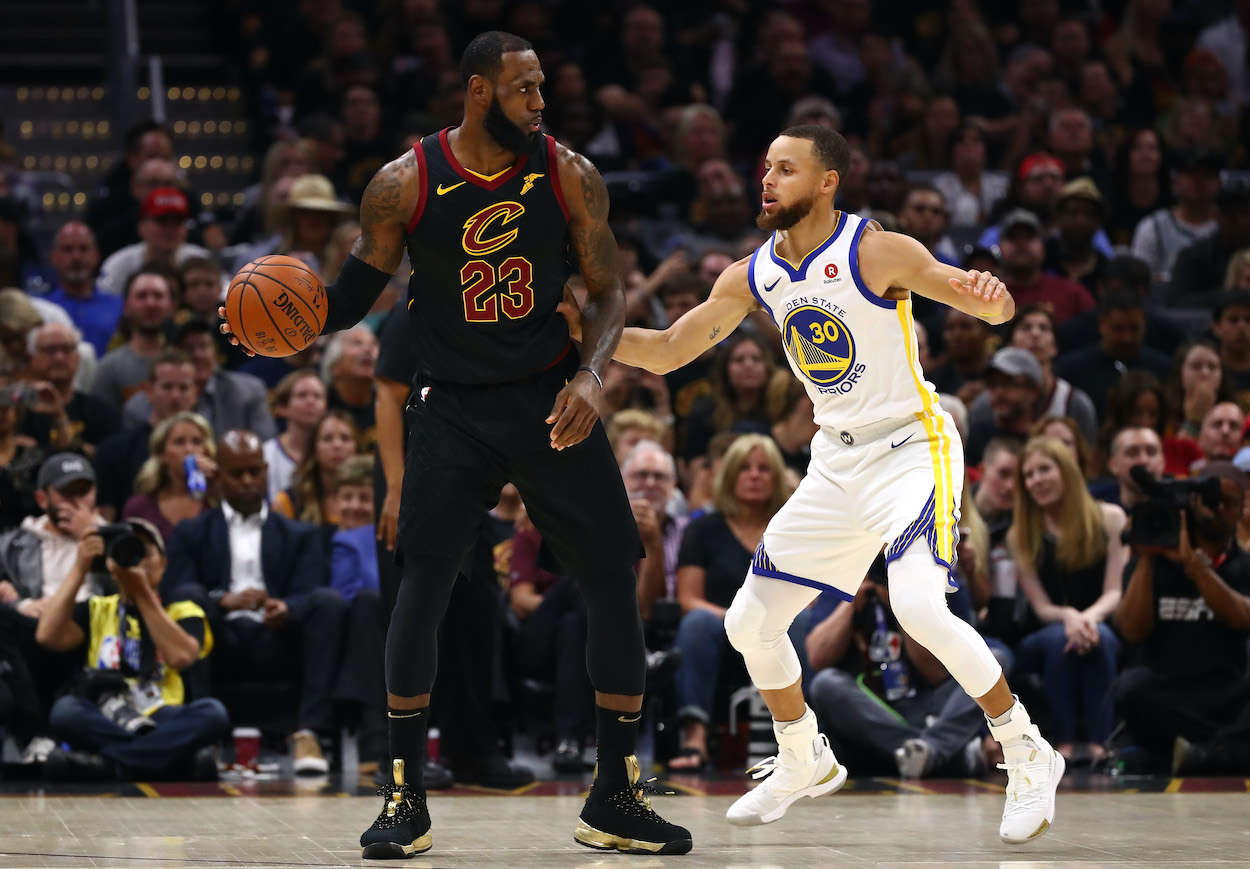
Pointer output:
x,y
477,238
819,343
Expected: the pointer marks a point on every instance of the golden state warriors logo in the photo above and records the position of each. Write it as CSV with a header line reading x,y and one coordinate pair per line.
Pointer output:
x,y
820,344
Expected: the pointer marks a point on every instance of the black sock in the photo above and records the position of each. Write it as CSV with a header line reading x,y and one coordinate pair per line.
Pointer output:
x,y
407,729
617,735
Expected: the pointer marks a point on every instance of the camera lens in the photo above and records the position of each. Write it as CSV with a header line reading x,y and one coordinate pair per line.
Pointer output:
x,y
127,550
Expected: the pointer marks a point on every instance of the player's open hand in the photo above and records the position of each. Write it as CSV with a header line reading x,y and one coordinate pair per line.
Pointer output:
x,y
979,285
575,411
228,332
388,518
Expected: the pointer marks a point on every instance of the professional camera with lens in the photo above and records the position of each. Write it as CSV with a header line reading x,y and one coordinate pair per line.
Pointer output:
x,y
110,691
122,545
1157,520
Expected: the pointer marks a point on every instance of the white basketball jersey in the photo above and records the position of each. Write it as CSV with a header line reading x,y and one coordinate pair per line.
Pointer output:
x,y
854,352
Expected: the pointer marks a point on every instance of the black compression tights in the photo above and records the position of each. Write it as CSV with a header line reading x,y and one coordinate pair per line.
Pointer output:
x,y
614,647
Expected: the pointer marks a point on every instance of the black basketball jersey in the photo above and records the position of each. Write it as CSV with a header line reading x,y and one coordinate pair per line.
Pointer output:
x,y
489,260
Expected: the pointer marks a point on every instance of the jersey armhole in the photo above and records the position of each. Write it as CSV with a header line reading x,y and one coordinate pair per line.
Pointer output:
x,y
553,169
852,257
422,181
751,283
759,299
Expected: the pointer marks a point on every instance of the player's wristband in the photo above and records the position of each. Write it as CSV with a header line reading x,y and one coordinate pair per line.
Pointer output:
x,y
350,297
592,374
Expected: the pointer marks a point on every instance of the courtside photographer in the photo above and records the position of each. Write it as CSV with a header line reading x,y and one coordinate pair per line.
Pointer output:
x,y
126,716
1187,607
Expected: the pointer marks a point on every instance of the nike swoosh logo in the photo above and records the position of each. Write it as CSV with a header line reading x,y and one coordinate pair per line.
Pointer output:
x,y
624,720
895,446
442,189
768,288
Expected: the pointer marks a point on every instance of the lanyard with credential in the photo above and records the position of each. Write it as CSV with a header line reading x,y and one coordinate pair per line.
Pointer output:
x,y
130,650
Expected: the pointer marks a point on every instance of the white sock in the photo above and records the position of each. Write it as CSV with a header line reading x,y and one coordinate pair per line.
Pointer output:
x,y
799,736
1004,718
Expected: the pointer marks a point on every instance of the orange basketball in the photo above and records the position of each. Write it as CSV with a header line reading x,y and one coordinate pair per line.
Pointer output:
x,y
276,306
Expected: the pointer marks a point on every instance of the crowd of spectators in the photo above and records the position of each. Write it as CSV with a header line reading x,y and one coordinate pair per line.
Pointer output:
x,y
1092,154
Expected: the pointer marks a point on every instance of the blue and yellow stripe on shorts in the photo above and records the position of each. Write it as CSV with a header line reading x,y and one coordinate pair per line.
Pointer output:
x,y
939,513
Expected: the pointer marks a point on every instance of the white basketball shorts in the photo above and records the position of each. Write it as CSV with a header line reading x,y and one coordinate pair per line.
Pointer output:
x,y
888,485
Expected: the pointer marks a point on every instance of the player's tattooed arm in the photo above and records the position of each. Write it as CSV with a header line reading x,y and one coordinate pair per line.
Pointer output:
x,y
597,257
697,330
385,208
576,407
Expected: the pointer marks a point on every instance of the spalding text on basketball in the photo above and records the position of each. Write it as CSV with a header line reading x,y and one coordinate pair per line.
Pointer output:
x,y
302,327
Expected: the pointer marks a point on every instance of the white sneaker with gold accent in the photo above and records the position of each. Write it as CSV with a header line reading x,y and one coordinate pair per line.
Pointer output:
x,y
1034,769
804,766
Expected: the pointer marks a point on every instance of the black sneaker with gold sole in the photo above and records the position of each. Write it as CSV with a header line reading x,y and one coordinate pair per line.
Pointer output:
x,y
623,820
402,829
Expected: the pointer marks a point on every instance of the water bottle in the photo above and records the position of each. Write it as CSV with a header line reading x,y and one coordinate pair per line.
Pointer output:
x,y
197,483
886,652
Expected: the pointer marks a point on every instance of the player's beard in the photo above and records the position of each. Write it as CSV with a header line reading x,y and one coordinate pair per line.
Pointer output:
x,y
506,134
786,217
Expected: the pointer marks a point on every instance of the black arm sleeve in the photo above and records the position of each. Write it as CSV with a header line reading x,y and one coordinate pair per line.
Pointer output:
x,y
350,297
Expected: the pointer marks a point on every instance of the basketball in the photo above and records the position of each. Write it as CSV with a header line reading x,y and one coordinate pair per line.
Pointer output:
x,y
276,306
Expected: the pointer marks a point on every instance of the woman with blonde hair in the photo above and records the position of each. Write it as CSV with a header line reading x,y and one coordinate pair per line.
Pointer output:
x,y
1238,275
1066,430
1070,564
17,317
311,496
715,557
165,494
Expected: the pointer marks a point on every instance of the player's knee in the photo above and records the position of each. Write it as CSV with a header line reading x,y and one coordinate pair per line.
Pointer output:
x,y
917,595
744,622
915,614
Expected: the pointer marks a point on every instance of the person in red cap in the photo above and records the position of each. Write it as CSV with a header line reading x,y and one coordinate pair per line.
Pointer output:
x,y
163,230
1038,183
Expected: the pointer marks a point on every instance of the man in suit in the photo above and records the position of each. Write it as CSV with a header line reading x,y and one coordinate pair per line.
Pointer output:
x,y
263,581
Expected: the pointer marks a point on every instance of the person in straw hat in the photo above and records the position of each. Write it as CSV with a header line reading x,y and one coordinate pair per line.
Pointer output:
x,y
312,214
